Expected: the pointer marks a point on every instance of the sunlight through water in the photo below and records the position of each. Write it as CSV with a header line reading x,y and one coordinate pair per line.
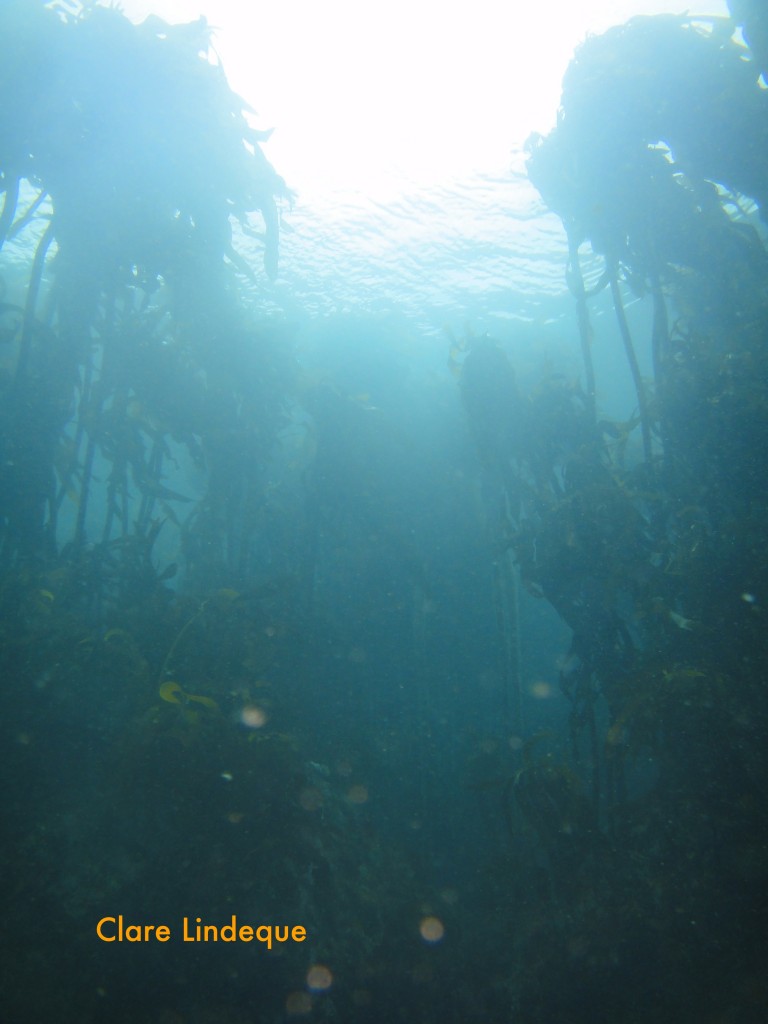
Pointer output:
x,y
401,128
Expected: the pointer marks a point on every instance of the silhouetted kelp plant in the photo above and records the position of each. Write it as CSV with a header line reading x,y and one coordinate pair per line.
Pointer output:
x,y
649,537
140,156
140,648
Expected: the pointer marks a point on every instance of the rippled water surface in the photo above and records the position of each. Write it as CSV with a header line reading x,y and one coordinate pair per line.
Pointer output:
x,y
454,249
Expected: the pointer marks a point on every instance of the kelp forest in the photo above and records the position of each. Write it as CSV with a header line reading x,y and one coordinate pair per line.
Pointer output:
x,y
460,674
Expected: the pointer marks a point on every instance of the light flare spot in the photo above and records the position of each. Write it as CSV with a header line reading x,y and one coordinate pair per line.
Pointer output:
x,y
541,690
432,929
319,978
311,798
253,717
298,1004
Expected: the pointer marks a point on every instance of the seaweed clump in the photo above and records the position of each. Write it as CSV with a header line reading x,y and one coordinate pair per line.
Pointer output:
x,y
649,536
127,162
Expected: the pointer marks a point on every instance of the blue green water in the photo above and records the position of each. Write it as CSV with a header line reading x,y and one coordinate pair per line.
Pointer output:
x,y
393,571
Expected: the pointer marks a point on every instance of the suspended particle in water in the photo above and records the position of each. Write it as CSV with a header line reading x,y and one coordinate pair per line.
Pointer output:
x,y
298,1004
450,896
311,798
253,717
541,689
432,929
319,978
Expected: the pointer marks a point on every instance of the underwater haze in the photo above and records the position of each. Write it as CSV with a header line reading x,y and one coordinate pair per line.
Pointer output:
x,y
383,513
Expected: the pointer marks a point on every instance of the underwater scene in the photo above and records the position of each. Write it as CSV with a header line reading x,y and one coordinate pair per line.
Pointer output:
x,y
383,582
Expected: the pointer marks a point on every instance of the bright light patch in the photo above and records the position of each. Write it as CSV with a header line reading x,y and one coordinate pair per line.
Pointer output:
x,y
357,794
541,689
253,717
432,929
363,94
319,978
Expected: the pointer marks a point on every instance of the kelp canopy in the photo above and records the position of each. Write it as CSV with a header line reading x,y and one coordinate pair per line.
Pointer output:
x,y
128,145
137,139
662,133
